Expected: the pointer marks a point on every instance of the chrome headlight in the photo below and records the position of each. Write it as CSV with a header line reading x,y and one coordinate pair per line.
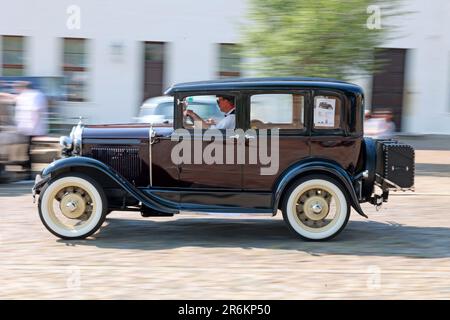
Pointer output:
x,y
71,145
66,143
76,136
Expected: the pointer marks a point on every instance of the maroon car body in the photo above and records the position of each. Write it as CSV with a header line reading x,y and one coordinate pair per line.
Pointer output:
x,y
133,165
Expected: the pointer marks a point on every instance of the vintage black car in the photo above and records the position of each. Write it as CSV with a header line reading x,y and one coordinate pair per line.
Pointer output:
x,y
319,165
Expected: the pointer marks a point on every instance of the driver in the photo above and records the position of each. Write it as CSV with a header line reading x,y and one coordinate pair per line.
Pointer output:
x,y
227,106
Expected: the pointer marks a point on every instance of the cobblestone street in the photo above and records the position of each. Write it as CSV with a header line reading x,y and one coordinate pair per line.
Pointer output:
x,y
402,251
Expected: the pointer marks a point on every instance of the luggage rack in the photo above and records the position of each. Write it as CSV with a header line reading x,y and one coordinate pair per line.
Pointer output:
x,y
386,183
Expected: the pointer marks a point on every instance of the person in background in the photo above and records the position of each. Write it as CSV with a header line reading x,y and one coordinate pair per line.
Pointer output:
x,y
29,116
390,124
379,125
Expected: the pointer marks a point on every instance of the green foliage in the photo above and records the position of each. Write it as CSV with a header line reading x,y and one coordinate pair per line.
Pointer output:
x,y
324,38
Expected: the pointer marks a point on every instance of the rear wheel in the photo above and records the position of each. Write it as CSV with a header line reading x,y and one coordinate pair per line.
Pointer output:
x,y
72,206
316,208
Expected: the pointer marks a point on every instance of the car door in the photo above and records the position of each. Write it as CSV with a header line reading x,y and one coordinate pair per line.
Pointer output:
x,y
283,116
163,172
202,182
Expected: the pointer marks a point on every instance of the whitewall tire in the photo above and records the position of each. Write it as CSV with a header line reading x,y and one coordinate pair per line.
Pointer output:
x,y
72,206
316,208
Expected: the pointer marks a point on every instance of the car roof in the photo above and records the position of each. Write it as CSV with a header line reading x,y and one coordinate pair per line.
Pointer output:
x,y
263,83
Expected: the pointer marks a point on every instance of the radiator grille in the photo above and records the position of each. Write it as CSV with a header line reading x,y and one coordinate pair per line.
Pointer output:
x,y
125,160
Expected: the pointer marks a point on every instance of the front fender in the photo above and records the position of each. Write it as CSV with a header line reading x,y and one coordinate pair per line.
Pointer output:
x,y
317,166
148,200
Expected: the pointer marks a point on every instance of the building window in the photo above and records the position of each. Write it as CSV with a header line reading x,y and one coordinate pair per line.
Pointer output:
x,y
153,69
13,55
74,69
229,63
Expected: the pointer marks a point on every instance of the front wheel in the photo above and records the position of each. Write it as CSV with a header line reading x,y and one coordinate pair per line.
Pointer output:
x,y
72,206
316,208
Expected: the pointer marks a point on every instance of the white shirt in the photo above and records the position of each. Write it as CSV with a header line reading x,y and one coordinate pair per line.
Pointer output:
x,y
31,112
228,122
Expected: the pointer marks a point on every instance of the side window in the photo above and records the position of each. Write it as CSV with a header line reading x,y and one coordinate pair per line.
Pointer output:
x,y
327,112
205,108
278,110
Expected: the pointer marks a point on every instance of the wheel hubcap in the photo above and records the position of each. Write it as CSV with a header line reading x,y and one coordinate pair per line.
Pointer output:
x,y
73,205
316,208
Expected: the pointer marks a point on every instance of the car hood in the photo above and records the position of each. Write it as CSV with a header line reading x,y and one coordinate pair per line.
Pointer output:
x,y
124,131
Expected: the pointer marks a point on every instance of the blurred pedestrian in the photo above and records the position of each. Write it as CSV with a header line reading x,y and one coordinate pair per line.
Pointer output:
x,y
30,115
390,124
5,106
379,125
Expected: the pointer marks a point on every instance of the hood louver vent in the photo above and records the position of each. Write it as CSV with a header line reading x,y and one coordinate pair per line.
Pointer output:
x,y
125,160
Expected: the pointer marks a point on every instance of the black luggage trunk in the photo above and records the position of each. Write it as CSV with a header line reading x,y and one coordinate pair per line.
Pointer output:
x,y
395,164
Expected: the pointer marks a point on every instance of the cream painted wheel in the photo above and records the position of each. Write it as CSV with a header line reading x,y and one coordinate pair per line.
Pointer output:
x,y
316,208
72,206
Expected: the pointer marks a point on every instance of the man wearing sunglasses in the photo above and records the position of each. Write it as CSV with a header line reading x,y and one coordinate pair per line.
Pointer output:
x,y
227,106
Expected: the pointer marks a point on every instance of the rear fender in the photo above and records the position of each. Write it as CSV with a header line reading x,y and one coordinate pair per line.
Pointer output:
x,y
312,167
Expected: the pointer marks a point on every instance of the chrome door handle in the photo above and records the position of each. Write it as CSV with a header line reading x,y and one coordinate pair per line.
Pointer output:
x,y
249,137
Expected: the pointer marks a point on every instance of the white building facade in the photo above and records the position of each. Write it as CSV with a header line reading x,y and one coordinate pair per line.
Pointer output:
x,y
423,34
115,34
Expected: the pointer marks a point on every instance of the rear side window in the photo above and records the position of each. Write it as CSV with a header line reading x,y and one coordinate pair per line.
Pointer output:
x,y
278,110
327,112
